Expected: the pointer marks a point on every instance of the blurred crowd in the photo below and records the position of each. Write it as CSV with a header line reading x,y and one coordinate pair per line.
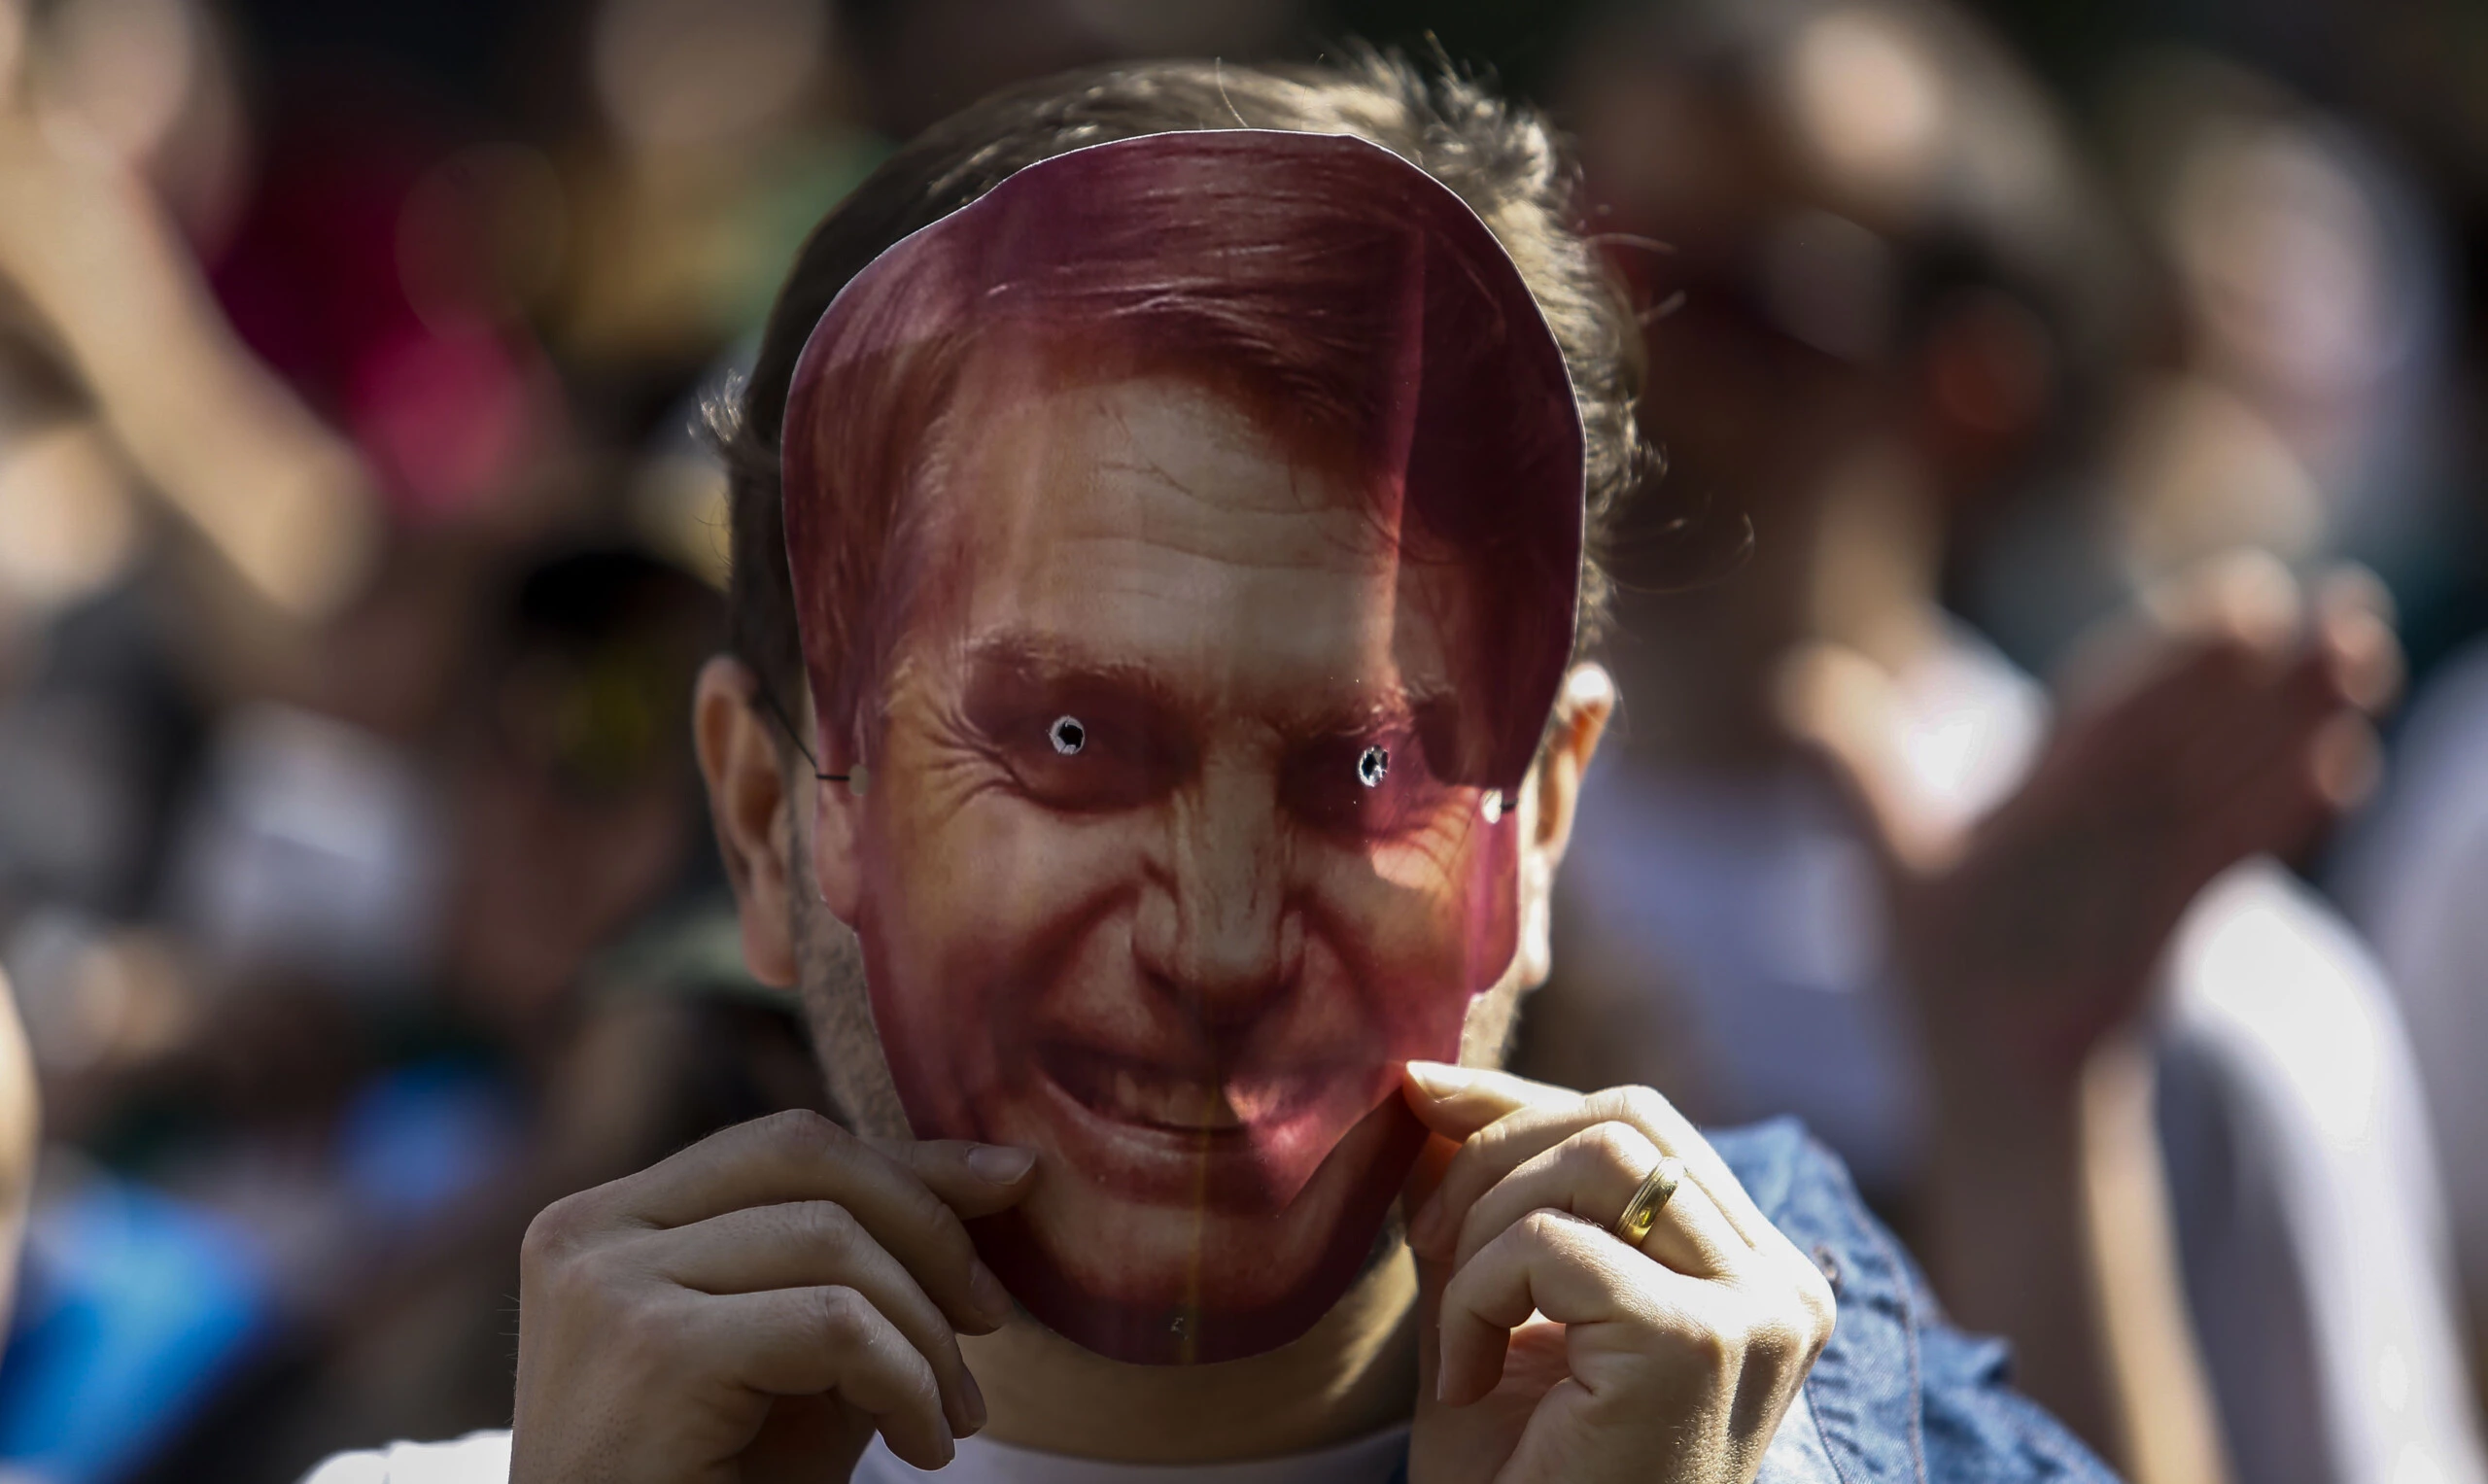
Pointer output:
x,y
2073,421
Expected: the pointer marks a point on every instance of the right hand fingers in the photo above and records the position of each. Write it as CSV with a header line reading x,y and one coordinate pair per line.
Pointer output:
x,y
819,1244
908,1197
812,1341
778,1258
802,1156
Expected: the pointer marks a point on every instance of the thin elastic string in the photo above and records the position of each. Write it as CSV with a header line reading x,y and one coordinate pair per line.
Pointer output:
x,y
768,702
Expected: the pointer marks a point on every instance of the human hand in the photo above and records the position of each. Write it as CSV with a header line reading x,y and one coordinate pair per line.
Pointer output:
x,y
756,1307
1552,1349
108,286
2227,718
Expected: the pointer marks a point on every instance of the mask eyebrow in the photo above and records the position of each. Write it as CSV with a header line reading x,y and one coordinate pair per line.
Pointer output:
x,y
1400,709
1015,659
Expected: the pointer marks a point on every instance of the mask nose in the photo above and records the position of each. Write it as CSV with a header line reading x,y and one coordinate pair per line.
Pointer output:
x,y
1215,927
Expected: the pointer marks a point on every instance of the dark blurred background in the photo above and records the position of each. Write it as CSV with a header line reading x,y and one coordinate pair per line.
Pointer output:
x,y
357,548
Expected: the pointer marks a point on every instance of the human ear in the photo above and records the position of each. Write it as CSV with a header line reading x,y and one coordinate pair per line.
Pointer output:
x,y
1549,804
744,766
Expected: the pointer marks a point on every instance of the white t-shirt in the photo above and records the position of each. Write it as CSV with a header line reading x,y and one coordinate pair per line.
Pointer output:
x,y
1797,1455
483,1457
2415,880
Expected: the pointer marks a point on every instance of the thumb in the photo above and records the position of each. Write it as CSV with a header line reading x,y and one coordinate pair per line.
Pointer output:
x,y
1843,710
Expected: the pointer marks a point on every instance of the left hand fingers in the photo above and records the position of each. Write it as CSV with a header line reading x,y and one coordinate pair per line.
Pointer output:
x,y
1546,1264
1624,1320
1502,1121
1593,1175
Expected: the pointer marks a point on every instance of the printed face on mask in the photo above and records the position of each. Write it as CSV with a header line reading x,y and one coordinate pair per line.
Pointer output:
x,y
1164,871
1185,539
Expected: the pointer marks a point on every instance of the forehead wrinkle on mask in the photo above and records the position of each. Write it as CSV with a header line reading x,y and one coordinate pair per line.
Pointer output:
x,y
1114,452
956,528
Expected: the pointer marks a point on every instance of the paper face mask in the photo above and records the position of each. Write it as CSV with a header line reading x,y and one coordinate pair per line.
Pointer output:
x,y
1185,540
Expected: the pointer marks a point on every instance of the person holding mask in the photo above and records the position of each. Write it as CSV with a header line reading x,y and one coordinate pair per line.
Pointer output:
x,y
1153,726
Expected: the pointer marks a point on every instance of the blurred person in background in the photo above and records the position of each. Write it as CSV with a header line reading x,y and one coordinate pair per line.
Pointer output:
x,y
2141,1100
582,1015
696,144
2414,877
2295,401
2303,410
143,451
2306,415
268,427
264,760
118,139
711,137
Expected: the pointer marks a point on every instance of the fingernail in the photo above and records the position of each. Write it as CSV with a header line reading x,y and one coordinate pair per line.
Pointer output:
x,y
1437,1079
976,1414
1000,1163
991,1300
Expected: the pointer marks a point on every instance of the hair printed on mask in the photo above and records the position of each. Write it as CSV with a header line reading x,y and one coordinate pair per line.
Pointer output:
x,y
1501,157
1340,296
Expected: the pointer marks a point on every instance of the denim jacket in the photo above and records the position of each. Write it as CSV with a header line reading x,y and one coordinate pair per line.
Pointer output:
x,y
1899,1397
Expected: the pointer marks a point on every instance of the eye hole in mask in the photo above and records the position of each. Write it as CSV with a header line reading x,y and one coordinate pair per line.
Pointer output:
x,y
1069,734
1373,766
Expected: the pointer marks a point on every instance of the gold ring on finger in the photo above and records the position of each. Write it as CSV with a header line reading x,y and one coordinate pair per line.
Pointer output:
x,y
1641,1212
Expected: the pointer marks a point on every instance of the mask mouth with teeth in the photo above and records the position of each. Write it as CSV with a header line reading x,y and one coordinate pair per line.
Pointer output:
x,y
1187,537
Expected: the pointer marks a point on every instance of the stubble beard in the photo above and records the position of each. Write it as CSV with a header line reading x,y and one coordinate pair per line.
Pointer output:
x,y
829,975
